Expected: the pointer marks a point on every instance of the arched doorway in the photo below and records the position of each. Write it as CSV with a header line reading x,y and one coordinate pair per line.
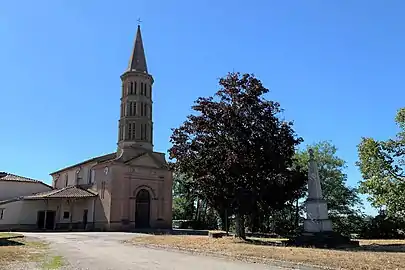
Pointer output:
x,y
142,209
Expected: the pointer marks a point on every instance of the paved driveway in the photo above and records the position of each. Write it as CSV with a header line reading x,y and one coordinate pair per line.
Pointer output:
x,y
102,251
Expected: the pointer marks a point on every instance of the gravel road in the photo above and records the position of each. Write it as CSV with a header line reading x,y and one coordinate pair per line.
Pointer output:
x,y
105,250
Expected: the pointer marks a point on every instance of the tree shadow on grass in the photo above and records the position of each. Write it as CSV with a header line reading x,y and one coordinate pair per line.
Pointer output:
x,y
392,248
263,243
395,248
9,241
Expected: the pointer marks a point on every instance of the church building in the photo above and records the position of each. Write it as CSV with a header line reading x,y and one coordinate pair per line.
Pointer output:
x,y
125,190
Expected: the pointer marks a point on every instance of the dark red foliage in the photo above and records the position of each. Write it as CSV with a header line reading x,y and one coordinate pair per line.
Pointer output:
x,y
236,150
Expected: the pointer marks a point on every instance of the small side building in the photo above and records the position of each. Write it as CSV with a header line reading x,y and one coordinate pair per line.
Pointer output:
x,y
14,214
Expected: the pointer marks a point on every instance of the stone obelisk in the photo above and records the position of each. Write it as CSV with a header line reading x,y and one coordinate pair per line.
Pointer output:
x,y
317,226
317,210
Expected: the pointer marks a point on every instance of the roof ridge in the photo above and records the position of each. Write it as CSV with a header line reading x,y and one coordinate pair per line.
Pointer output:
x,y
135,157
5,174
60,193
93,159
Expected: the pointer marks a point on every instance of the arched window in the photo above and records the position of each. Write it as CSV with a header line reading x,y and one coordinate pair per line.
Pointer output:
x,y
131,88
133,134
78,176
141,131
92,176
130,109
129,131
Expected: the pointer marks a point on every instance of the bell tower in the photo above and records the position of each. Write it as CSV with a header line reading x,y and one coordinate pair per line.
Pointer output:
x,y
135,124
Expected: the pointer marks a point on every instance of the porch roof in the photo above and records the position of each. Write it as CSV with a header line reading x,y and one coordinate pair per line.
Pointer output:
x,y
67,192
9,200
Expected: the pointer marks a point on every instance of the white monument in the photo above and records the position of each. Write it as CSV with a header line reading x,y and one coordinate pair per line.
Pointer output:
x,y
317,226
317,210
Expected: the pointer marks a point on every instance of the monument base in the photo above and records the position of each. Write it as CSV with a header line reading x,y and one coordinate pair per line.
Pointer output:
x,y
322,240
317,225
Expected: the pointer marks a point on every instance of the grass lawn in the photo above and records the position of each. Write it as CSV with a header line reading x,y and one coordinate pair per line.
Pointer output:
x,y
16,249
373,254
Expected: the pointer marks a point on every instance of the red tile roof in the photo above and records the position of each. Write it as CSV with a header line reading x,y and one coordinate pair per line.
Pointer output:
x,y
67,192
4,176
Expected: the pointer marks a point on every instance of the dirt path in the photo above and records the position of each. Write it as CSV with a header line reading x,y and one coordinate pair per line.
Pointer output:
x,y
102,251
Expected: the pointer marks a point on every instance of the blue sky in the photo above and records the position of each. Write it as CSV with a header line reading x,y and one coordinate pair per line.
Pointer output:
x,y
336,67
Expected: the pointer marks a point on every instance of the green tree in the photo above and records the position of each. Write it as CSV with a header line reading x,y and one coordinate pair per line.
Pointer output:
x,y
183,199
382,165
342,199
236,151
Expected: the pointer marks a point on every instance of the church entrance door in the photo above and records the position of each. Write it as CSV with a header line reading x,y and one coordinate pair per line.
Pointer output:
x,y
142,209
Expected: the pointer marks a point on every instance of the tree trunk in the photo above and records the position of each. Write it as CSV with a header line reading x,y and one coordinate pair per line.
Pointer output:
x,y
255,222
297,214
197,212
205,205
240,226
222,213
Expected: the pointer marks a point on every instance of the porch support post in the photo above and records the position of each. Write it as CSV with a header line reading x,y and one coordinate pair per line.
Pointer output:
x,y
71,214
46,213
94,212
58,214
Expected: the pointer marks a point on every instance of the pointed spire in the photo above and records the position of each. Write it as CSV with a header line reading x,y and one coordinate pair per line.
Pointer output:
x,y
137,62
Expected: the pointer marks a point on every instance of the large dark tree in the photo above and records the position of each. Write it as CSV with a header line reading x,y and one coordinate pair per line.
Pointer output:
x,y
236,151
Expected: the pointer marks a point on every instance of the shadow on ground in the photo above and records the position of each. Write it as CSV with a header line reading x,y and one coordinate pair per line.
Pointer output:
x,y
263,243
8,241
394,248
382,248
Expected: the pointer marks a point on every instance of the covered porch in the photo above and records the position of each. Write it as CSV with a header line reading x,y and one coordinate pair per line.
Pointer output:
x,y
70,208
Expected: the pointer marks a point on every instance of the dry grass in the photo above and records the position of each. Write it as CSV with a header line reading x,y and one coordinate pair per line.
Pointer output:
x,y
373,254
15,248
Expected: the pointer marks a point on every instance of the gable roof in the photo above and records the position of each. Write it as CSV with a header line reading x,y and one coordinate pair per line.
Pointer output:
x,y
66,192
153,155
98,159
4,176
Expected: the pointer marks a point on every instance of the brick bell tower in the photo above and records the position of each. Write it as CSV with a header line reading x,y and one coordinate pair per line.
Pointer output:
x,y
135,125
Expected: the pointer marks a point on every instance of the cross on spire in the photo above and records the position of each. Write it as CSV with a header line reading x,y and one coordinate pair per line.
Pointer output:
x,y
139,21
